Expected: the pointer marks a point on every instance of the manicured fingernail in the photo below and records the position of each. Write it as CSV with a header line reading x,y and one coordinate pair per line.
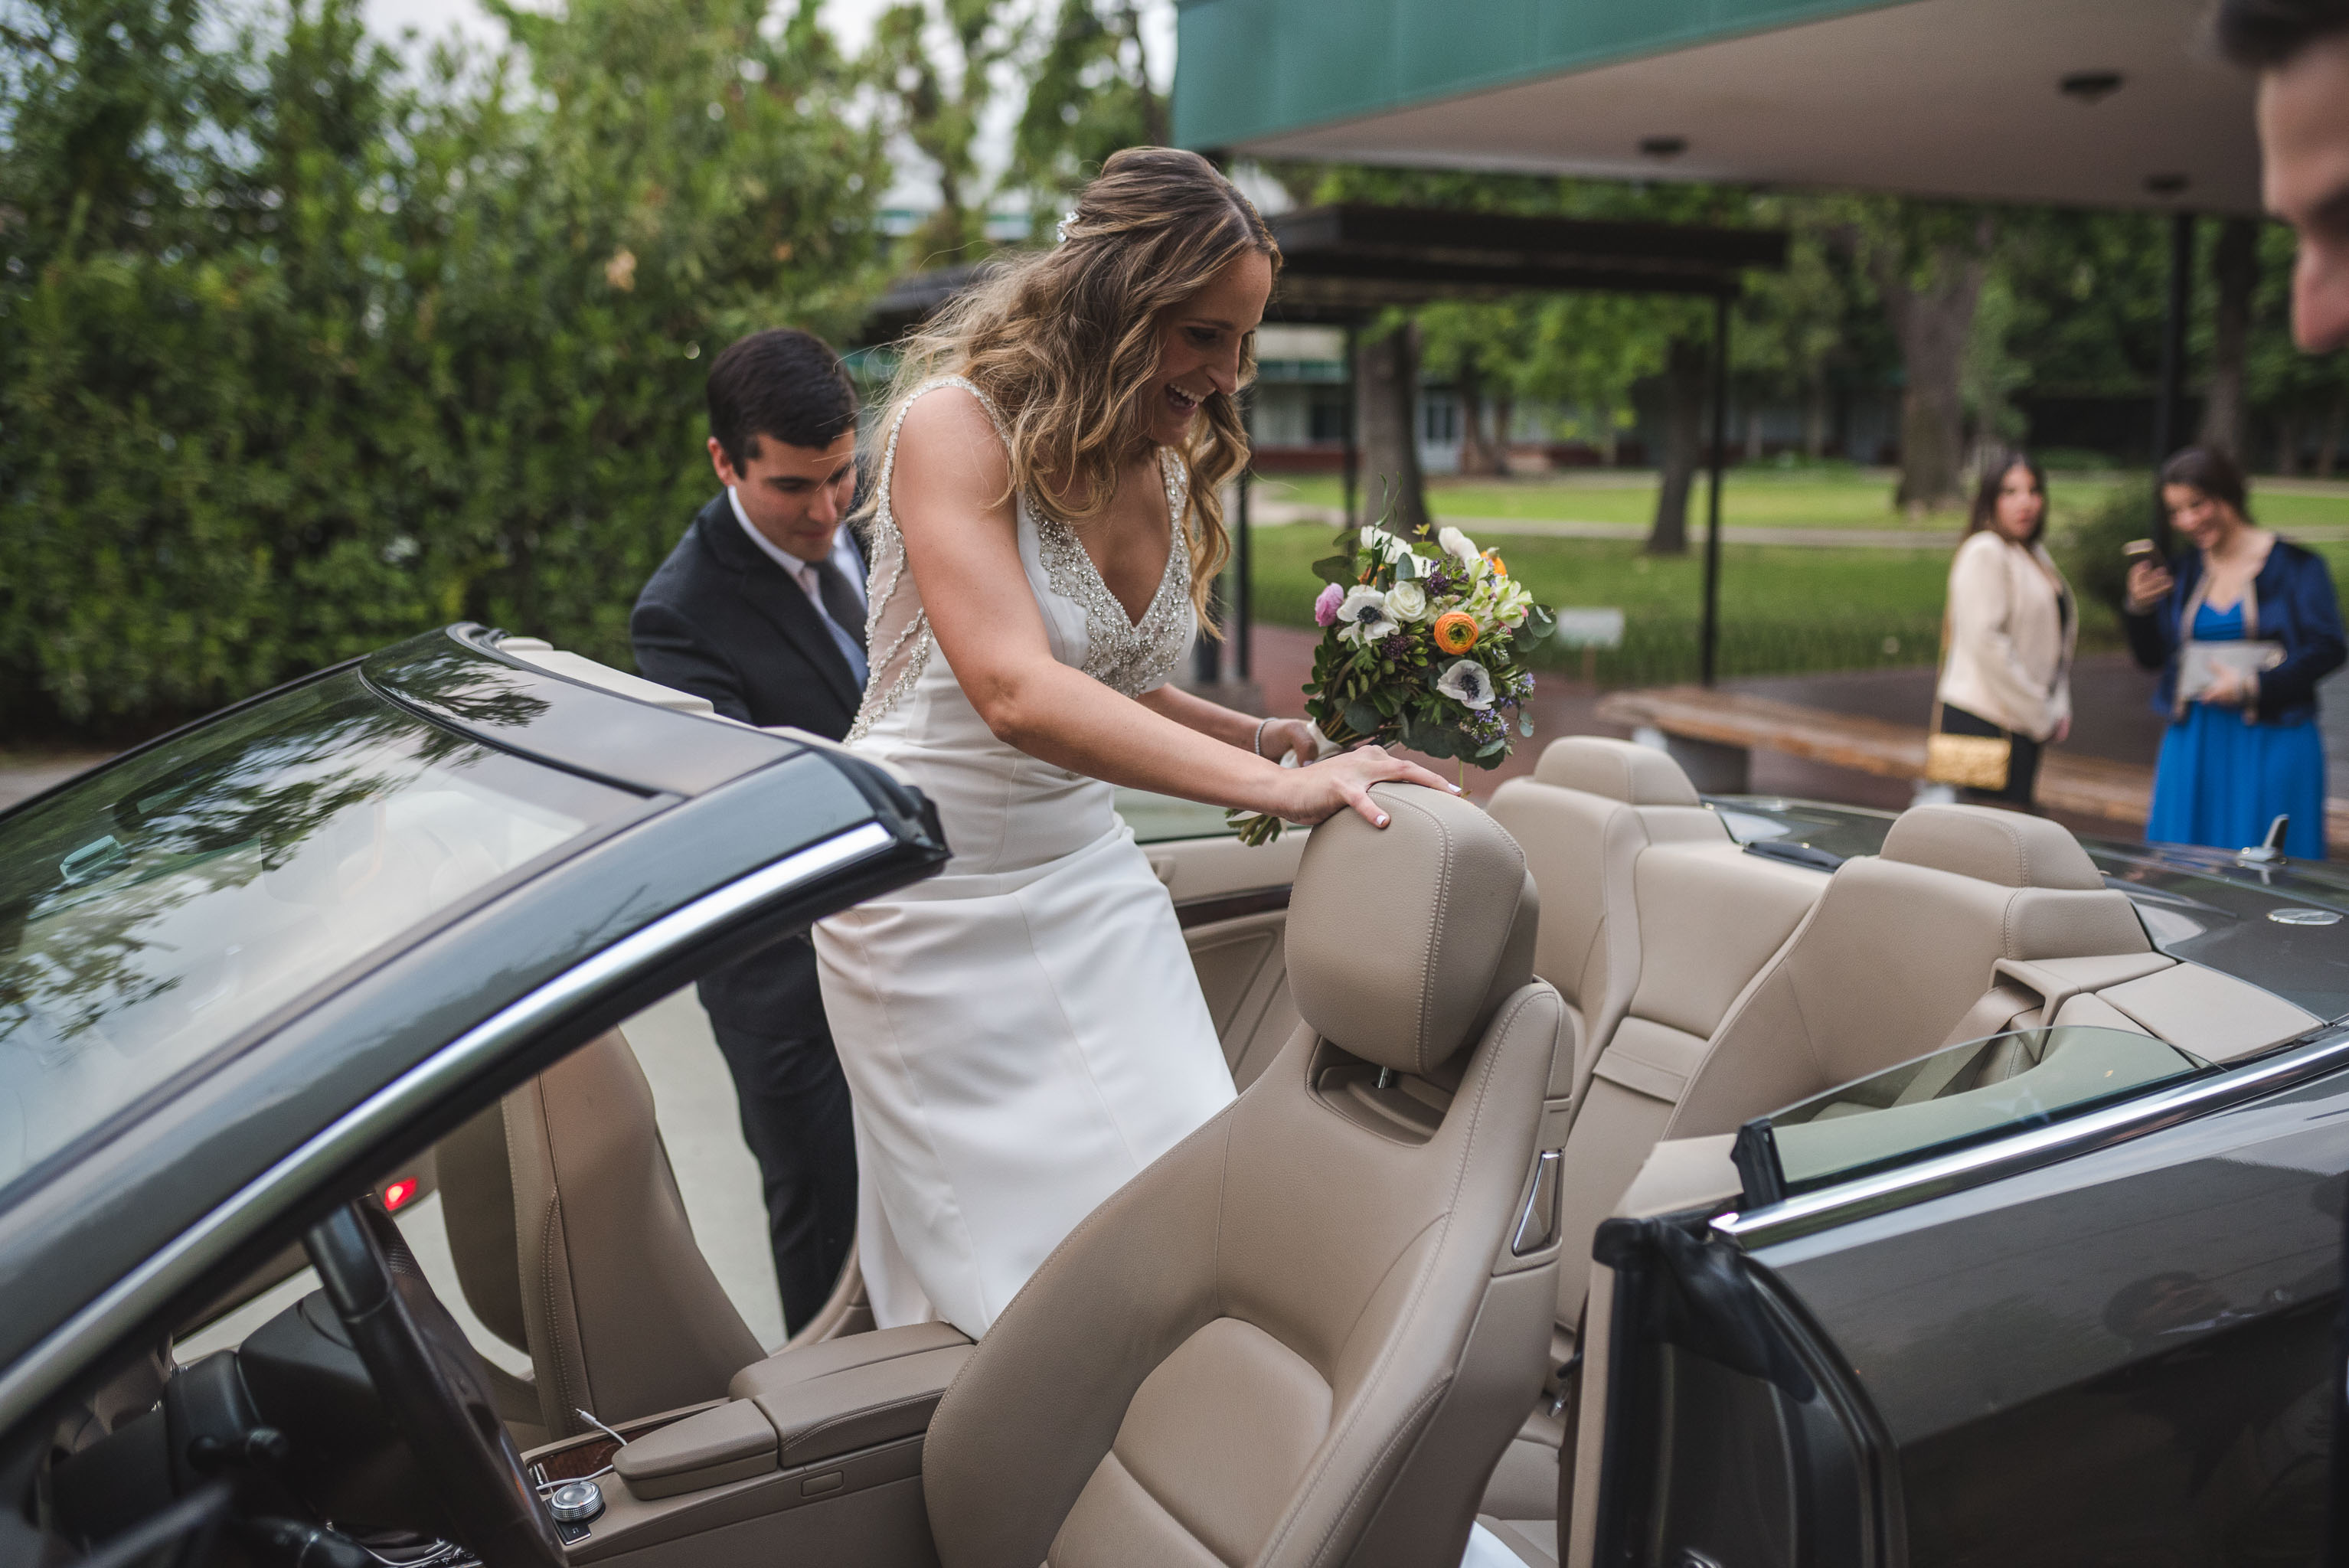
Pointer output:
x,y
1383,822
1457,791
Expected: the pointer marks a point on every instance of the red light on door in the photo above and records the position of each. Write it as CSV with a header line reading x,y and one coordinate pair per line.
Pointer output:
x,y
398,1192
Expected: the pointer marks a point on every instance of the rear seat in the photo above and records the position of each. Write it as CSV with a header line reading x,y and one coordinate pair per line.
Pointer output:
x,y
1591,806
1761,984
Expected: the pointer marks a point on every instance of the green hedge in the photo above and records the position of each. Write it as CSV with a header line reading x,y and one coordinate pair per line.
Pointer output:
x,y
298,356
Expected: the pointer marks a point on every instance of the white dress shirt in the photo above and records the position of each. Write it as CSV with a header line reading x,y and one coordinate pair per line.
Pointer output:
x,y
843,555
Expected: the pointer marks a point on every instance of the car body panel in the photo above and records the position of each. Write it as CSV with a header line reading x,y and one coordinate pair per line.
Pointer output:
x,y
2123,1351
2127,1355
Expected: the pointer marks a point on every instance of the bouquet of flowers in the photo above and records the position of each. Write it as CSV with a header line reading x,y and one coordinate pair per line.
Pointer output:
x,y
1422,646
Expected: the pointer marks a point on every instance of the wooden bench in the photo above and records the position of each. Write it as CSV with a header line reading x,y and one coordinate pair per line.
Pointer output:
x,y
1713,733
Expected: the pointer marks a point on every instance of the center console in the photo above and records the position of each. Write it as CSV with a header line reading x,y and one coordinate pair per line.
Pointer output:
x,y
815,1456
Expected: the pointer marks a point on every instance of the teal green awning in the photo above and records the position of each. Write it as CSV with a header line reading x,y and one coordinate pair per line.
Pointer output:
x,y
1960,98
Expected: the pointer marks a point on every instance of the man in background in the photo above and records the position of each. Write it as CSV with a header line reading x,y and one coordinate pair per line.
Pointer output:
x,y
760,609
2301,50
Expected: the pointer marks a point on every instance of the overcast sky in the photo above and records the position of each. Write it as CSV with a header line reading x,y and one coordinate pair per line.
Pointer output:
x,y
850,22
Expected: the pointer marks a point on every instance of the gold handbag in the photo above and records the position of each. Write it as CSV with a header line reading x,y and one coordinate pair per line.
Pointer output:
x,y
1968,761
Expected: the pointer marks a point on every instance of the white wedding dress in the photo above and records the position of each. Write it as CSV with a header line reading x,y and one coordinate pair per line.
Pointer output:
x,y
1022,1032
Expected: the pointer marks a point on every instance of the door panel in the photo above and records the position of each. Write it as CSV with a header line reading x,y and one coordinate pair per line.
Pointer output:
x,y
1244,973
1233,901
2124,1356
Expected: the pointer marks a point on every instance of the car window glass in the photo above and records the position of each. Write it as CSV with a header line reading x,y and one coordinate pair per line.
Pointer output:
x,y
1958,1096
152,911
1164,819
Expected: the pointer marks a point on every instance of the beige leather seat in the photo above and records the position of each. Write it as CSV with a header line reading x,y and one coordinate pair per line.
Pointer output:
x,y
1898,959
1640,882
1304,1334
1590,807
571,1241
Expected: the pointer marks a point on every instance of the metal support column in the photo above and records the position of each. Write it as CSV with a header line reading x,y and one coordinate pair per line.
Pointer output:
x,y
1709,631
2168,405
1353,460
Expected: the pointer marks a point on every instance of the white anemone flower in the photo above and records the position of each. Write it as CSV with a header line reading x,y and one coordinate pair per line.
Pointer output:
x,y
1458,545
1467,683
1362,617
1407,601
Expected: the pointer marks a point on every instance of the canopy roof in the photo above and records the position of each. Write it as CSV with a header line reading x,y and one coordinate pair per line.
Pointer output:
x,y
1341,263
1959,99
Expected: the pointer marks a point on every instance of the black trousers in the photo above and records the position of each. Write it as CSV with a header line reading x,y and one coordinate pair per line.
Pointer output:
x,y
2022,760
795,1117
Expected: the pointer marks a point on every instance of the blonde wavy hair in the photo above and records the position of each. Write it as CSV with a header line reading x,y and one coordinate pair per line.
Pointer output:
x,y
1064,341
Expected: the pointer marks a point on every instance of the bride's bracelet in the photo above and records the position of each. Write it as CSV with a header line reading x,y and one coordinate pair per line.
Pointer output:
x,y
1256,743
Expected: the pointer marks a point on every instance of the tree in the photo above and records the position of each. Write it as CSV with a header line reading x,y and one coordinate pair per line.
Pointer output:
x,y
298,356
1089,94
1386,375
1928,262
935,98
2235,270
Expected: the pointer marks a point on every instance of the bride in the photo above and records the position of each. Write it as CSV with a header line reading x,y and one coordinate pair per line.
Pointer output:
x,y
1024,1032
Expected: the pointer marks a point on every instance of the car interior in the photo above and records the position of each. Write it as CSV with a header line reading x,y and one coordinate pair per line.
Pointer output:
x,y
1347,1317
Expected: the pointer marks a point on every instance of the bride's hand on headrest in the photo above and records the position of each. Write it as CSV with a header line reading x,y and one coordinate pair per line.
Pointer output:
x,y
1334,783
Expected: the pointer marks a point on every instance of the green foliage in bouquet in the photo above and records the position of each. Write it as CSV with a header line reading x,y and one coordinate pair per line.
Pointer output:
x,y
1423,646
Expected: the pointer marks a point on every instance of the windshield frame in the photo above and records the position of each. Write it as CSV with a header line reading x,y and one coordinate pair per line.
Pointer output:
x,y
1753,1225
235,1043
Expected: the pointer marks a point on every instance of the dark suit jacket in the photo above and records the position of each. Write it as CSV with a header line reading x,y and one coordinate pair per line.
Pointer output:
x,y
722,620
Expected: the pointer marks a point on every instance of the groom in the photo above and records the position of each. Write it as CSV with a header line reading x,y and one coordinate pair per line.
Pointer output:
x,y
760,609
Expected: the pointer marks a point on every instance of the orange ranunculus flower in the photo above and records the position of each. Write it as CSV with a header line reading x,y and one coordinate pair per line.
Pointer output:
x,y
1500,567
1454,632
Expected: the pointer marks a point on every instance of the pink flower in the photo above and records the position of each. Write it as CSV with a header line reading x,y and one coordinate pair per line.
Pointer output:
x,y
1325,608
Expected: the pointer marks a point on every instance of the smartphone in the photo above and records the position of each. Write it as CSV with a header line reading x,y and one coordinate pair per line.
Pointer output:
x,y
2137,550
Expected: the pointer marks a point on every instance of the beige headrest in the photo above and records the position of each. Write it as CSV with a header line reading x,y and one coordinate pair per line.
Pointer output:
x,y
1994,846
1401,940
1635,775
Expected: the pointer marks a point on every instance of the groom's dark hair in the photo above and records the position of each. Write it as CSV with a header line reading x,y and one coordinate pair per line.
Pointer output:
x,y
2267,34
783,384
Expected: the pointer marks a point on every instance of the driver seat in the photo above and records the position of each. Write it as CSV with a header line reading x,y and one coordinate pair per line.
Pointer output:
x,y
1305,1333
571,1241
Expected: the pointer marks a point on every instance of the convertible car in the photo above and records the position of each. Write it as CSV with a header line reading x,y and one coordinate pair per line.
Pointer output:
x,y
1619,1176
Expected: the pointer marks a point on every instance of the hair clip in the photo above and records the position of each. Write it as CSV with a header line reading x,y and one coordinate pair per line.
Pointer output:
x,y
1060,230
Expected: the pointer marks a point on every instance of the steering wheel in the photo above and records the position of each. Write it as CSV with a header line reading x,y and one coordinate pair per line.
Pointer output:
x,y
432,1381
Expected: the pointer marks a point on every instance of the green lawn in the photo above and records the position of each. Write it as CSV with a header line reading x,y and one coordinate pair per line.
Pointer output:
x,y
1783,608
1827,497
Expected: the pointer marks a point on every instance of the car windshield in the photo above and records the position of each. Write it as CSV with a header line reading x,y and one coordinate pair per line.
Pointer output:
x,y
1958,1096
153,911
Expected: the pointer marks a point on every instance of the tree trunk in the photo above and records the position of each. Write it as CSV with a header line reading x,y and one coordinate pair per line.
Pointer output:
x,y
2288,443
2328,443
1931,326
1387,371
1475,457
1753,433
1684,381
1814,419
2235,266
1504,419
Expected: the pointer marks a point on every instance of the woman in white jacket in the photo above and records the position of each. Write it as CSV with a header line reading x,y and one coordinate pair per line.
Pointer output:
x,y
2012,624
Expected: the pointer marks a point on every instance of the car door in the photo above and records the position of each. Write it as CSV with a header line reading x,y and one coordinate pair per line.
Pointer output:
x,y
1233,901
2104,1338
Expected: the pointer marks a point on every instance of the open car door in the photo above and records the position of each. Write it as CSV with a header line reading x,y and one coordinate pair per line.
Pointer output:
x,y
2059,1297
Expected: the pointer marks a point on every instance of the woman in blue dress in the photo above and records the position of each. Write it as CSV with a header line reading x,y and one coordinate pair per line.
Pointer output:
x,y
2243,747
